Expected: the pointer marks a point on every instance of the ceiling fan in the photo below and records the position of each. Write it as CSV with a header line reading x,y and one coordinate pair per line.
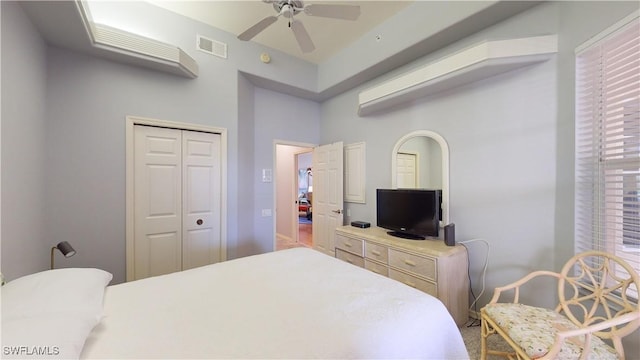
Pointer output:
x,y
290,8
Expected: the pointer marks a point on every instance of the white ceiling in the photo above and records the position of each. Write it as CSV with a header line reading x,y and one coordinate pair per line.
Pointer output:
x,y
328,35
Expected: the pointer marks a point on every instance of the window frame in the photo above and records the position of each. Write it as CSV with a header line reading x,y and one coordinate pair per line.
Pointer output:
x,y
607,144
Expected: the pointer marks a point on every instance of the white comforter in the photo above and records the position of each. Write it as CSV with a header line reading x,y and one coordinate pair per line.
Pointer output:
x,y
294,303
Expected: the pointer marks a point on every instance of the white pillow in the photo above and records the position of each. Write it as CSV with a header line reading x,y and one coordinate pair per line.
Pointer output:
x,y
55,291
51,313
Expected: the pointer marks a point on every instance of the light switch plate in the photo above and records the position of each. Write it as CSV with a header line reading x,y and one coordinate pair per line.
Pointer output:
x,y
267,175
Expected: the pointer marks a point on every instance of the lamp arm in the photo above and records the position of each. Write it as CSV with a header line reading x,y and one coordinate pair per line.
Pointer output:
x,y
53,249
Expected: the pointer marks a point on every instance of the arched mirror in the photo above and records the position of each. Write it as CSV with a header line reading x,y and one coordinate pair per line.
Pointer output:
x,y
420,159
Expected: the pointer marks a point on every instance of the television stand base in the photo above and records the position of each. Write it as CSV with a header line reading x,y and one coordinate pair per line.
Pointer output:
x,y
404,235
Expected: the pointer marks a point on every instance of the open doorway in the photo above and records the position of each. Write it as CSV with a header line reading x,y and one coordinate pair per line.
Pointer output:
x,y
305,197
293,195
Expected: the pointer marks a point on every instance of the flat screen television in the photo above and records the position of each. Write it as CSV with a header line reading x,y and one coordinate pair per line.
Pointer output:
x,y
409,213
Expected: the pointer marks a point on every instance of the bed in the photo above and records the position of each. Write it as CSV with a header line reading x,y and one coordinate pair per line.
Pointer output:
x,y
296,303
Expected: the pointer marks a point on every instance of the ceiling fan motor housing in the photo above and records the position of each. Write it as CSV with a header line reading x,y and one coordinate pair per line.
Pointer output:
x,y
294,6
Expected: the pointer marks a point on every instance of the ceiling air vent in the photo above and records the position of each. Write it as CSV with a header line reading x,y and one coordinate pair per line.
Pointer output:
x,y
211,46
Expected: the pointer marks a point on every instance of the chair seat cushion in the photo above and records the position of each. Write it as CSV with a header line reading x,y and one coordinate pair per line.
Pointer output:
x,y
534,330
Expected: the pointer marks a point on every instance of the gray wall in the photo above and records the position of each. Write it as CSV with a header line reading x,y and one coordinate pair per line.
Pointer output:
x,y
25,241
88,100
510,137
283,118
501,162
75,162
245,165
511,141
511,144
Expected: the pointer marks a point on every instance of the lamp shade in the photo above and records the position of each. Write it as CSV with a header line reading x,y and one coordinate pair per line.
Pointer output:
x,y
66,249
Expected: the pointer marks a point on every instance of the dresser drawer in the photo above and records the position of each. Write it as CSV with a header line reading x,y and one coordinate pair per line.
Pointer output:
x,y
354,246
376,252
422,285
350,258
377,268
421,266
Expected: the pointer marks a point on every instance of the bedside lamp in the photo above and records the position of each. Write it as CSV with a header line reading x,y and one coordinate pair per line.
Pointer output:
x,y
65,248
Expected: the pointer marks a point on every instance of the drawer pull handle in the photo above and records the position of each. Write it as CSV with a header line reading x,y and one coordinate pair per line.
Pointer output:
x,y
410,263
375,271
410,284
349,261
347,244
376,253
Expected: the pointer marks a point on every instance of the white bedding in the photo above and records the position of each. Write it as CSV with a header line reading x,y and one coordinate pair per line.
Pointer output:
x,y
295,303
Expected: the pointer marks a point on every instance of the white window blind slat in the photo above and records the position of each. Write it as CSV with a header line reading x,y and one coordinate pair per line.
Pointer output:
x,y
620,56
628,83
607,149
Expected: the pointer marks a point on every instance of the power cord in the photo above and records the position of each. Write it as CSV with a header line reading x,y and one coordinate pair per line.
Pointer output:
x,y
473,306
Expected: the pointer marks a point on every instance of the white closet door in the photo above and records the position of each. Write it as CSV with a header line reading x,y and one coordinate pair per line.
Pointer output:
x,y
406,171
158,201
201,243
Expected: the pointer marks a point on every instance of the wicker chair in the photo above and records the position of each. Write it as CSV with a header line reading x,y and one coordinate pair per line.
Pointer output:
x,y
593,305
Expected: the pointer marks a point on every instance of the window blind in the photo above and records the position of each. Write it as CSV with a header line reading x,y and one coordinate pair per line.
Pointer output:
x,y
607,202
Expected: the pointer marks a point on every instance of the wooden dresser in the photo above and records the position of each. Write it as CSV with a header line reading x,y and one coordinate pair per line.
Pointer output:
x,y
428,265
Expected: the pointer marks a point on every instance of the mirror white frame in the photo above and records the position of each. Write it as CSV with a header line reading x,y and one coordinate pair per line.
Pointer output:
x,y
444,147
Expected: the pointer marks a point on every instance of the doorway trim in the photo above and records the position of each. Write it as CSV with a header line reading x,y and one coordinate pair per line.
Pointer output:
x,y
277,142
130,122
296,215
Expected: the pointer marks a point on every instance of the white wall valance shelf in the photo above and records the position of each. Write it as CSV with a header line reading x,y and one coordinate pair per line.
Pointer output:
x,y
139,50
69,24
127,47
481,61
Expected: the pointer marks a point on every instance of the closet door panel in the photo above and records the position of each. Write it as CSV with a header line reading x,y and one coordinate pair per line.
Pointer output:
x,y
201,199
158,201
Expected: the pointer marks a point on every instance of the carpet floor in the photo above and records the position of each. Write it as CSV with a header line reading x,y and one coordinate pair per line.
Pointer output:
x,y
471,337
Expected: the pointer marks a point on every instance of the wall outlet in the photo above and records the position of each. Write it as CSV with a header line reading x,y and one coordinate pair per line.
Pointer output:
x,y
266,212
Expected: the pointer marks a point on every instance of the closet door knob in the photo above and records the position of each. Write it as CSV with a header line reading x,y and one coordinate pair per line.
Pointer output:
x,y
199,221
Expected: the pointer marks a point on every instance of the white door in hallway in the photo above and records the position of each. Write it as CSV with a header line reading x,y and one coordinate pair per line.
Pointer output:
x,y
406,172
327,195
176,200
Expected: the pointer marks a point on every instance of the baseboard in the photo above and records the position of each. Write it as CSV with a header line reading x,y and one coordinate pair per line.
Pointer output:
x,y
474,314
281,237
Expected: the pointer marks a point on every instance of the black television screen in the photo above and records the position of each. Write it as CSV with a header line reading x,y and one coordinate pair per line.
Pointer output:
x,y
409,213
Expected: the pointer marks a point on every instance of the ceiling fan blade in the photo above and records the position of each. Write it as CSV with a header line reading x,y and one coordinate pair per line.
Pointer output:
x,y
344,12
302,36
257,28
